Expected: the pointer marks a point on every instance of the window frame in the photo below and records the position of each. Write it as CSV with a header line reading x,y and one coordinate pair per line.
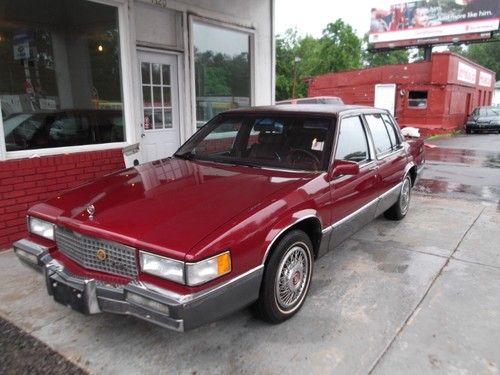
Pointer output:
x,y
192,19
126,70
417,107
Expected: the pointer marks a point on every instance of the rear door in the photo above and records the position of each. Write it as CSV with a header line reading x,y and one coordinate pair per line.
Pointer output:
x,y
391,158
353,197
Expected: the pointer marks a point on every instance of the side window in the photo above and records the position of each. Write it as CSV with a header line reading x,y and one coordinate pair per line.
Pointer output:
x,y
352,144
417,99
379,132
391,129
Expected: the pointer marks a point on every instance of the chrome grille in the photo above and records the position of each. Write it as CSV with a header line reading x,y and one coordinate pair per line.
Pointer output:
x,y
120,259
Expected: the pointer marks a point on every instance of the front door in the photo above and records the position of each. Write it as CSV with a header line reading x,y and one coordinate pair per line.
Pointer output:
x,y
160,127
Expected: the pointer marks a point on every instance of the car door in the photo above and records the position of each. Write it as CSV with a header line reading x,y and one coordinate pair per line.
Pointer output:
x,y
391,158
353,197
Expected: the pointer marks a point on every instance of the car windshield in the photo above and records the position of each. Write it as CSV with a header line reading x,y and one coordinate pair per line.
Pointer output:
x,y
263,141
489,112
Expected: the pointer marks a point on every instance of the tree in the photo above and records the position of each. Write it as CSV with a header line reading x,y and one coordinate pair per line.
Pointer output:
x,y
298,59
339,50
486,54
373,59
286,51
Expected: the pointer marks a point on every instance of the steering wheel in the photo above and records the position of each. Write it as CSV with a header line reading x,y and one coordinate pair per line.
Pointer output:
x,y
298,155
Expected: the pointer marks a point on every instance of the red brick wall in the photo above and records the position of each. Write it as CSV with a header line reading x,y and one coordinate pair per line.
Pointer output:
x,y
24,182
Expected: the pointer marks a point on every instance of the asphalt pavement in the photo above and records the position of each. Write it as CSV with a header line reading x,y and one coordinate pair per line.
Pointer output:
x,y
464,166
417,296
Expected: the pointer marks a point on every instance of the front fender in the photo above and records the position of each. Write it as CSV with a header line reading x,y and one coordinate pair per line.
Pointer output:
x,y
283,225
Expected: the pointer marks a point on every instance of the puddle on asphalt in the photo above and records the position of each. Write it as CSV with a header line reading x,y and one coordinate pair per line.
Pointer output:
x,y
463,156
431,186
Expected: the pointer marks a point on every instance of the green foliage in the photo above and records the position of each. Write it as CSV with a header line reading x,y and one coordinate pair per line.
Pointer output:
x,y
487,55
298,59
218,74
373,59
340,49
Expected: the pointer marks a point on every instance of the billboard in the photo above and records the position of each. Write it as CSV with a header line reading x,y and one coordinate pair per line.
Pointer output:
x,y
433,21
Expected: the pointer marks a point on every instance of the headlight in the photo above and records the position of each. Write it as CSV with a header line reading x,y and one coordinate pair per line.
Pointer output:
x,y
208,269
186,273
165,268
41,228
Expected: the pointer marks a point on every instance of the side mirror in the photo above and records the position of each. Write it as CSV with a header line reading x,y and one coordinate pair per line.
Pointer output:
x,y
344,167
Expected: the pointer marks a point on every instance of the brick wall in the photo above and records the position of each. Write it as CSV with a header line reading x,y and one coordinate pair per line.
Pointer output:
x,y
24,182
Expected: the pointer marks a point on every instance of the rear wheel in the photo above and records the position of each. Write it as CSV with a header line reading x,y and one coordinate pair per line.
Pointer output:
x,y
287,278
399,209
467,130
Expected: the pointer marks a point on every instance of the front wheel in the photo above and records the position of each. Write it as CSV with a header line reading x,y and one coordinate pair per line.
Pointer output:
x,y
287,278
399,209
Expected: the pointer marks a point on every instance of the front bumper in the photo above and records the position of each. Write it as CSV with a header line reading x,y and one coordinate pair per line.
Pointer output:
x,y
145,301
482,127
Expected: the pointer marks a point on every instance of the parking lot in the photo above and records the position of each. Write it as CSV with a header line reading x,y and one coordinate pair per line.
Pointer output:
x,y
417,296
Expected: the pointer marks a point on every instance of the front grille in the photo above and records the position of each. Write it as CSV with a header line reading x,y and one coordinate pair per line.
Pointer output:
x,y
119,259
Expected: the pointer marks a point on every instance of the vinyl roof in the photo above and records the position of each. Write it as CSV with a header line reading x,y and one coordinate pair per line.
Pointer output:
x,y
302,108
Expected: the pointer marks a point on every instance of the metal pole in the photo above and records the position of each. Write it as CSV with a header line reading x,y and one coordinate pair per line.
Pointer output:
x,y
427,53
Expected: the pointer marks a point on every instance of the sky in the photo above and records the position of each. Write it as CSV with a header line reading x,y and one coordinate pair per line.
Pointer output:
x,y
312,16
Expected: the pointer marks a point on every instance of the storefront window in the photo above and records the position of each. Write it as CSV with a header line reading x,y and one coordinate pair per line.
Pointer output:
x,y
222,70
60,80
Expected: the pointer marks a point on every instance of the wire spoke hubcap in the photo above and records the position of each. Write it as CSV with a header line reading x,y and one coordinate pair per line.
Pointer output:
x,y
405,196
292,277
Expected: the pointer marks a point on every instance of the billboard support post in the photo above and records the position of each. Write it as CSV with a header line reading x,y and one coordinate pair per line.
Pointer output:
x,y
427,53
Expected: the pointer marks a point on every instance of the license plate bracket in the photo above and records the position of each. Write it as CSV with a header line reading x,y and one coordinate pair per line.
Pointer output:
x,y
69,296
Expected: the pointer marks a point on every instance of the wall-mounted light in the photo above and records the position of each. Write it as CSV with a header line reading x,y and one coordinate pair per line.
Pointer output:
x,y
100,48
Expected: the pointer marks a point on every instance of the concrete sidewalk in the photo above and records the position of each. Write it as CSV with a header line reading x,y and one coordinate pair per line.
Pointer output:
x,y
414,296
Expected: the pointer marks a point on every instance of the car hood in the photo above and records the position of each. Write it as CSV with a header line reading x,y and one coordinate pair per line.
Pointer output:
x,y
486,118
168,205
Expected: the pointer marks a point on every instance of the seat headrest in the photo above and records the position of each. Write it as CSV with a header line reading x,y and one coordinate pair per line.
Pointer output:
x,y
270,138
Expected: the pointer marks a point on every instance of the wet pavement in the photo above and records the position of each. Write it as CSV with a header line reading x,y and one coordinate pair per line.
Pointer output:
x,y
465,166
413,296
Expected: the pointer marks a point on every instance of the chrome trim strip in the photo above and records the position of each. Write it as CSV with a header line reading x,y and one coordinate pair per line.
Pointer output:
x,y
184,298
31,247
284,230
359,210
391,190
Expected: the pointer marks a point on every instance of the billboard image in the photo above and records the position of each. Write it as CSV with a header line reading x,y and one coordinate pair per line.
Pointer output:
x,y
433,21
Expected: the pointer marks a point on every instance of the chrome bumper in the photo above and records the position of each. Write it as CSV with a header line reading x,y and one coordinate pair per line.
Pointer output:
x,y
145,301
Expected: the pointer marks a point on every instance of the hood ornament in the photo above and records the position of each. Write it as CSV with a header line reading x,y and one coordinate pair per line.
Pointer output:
x,y
91,211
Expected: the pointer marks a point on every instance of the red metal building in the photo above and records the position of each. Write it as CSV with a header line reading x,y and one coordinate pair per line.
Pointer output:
x,y
435,96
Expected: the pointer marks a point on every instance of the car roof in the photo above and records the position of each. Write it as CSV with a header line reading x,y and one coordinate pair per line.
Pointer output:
x,y
327,109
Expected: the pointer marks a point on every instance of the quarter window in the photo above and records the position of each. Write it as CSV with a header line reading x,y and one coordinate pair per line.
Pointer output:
x,y
391,129
352,144
379,132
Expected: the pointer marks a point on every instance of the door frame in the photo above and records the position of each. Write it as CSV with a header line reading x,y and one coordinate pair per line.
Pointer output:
x,y
179,56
